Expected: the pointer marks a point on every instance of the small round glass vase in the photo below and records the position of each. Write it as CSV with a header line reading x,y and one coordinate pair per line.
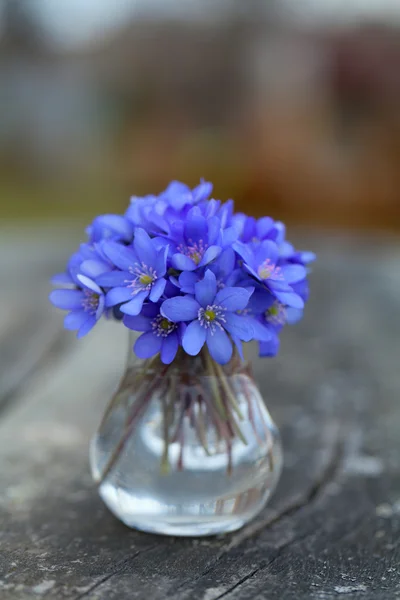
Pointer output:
x,y
187,449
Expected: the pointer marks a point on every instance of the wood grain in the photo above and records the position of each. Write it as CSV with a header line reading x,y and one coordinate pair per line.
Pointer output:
x,y
331,530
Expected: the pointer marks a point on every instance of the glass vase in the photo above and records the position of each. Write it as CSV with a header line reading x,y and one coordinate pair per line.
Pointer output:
x,y
186,449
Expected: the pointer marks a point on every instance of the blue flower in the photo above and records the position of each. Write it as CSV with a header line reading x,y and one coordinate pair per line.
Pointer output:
x,y
157,213
211,314
262,263
194,242
140,275
111,227
224,268
255,230
86,304
89,260
160,335
271,316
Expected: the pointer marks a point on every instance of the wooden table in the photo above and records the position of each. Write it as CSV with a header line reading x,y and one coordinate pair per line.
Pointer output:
x,y
333,526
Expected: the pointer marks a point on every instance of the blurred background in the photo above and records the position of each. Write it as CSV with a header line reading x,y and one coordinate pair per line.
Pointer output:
x,y
290,107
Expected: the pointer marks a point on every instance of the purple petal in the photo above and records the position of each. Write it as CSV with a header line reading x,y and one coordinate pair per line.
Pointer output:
x,y
187,281
160,243
86,327
183,262
244,252
150,310
144,247
286,250
289,299
219,346
233,298
101,306
263,227
229,236
75,319
206,289
276,283
294,273
226,261
252,271
267,250
117,296
138,323
280,231
147,345
161,261
302,289
114,278
214,229
157,290
202,191
195,227
110,226
135,305
181,308
240,327
248,225
88,283
261,300
121,256
294,315
261,332
94,268
194,338
169,348
62,279
307,257
270,348
210,254
67,299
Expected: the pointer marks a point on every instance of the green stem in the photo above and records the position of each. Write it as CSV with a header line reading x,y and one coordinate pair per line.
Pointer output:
x,y
124,389
137,407
224,381
213,380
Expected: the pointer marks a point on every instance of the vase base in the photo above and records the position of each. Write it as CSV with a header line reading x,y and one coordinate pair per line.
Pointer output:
x,y
194,520
183,528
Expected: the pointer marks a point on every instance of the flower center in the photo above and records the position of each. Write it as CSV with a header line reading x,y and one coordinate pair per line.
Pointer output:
x,y
196,257
194,250
267,270
162,327
276,314
212,317
91,302
165,324
144,278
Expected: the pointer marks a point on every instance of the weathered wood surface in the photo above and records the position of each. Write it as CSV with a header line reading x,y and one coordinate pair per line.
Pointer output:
x,y
333,526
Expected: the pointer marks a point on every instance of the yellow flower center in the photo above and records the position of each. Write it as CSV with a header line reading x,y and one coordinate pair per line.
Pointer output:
x,y
146,279
273,311
209,315
165,324
196,257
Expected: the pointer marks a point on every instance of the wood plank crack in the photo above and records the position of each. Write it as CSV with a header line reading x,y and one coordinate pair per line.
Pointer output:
x,y
120,567
240,582
327,476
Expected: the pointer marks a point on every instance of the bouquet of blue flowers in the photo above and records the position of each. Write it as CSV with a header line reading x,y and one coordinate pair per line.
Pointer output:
x,y
192,276
187,272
